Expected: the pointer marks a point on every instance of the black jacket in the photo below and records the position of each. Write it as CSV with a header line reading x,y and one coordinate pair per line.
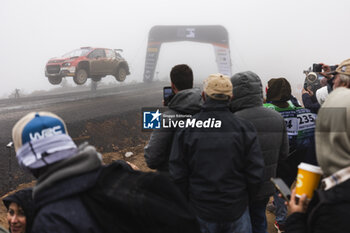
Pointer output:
x,y
157,150
58,195
218,169
327,212
247,103
310,102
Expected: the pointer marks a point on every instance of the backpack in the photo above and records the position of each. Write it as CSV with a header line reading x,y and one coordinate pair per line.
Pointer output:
x,y
125,200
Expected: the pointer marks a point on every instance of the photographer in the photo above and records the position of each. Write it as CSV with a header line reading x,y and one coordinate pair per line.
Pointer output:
x,y
341,75
185,100
316,90
308,97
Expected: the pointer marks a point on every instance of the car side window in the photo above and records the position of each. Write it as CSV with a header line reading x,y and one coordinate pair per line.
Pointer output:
x,y
97,53
110,53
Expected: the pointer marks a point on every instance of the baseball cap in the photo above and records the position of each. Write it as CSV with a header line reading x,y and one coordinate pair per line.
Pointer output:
x,y
343,68
216,85
37,125
41,138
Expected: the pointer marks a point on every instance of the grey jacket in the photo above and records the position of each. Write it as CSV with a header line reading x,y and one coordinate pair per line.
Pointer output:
x,y
247,103
157,150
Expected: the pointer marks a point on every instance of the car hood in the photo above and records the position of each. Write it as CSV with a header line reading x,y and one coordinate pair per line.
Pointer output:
x,y
61,59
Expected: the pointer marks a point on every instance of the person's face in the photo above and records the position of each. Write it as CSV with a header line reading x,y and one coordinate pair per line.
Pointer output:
x,y
16,218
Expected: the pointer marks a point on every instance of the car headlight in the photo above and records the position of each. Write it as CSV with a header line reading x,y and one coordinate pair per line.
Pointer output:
x,y
66,64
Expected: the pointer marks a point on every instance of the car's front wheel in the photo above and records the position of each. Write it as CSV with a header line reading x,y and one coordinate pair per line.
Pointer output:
x,y
121,74
80,77
55,80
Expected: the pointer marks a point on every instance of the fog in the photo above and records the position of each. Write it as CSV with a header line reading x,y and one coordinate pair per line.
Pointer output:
x,y
273,38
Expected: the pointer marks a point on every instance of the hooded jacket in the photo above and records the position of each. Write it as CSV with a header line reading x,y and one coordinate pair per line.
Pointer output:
x,y
57,194
24,199
247,103
328,210
279,92
157,150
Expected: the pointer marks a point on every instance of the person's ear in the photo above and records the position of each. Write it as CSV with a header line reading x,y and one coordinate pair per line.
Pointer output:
x,y
203,95
175,90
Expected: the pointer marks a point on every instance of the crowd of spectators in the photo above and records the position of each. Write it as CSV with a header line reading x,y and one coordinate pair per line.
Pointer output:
x,y
212,179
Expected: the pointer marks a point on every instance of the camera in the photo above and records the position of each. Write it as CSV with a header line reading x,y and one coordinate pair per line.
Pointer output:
x,y
317,67
333,68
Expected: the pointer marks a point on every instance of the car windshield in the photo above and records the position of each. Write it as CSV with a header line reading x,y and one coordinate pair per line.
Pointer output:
x,y
77,52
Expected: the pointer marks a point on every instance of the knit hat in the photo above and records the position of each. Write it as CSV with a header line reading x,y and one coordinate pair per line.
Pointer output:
x,y
38,137
333,132
218,86
279,90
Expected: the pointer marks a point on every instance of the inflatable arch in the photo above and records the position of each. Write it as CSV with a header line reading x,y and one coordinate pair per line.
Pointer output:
x,y
214,34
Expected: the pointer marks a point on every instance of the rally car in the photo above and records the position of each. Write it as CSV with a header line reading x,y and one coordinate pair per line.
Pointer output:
x,y
87,62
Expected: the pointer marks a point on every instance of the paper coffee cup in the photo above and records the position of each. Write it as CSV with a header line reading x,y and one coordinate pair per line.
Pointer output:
x,y
307,180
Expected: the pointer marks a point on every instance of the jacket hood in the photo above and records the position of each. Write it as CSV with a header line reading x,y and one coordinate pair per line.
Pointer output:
x,y
186,101
68,173
333,132
247,91
279,90
24,199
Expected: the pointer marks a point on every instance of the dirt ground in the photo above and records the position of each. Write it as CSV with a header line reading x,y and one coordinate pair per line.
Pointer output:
x,y
137,158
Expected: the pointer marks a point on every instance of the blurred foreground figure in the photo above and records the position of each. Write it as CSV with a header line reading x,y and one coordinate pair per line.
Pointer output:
x,y
76,193
329,208
64,171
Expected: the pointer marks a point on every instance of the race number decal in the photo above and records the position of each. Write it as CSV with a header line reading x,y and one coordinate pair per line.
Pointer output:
x,y
291,125
306,121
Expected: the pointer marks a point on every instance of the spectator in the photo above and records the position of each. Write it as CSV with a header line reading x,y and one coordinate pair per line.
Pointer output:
x,y
322,93
20,211
219,169
342,75
75,193
247,103
329,208
308,95
186,100
64,172
300,124
334,79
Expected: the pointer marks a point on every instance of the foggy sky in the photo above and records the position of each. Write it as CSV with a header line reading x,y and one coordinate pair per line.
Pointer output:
x,y
274,38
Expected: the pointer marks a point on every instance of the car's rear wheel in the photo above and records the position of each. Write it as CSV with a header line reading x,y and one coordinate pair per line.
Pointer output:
x,y
80,77
121,74
55,80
